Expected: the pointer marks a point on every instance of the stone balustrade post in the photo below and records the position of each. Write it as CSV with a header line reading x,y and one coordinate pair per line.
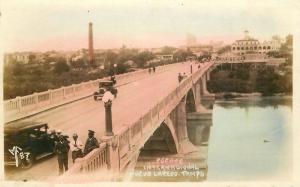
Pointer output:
x,y
35,98
19,103
64,92
73,90
50,96
113,160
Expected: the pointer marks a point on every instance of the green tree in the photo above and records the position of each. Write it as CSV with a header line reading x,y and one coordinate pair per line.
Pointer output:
x,y
224,49
61,67
168,50
142,58
181,55
32,58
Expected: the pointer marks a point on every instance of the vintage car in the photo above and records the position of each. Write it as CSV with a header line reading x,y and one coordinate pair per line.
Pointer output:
x,y
26,142
104,86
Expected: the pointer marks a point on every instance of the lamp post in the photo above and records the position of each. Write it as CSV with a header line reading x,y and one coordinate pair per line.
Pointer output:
x,y
115,68
107,99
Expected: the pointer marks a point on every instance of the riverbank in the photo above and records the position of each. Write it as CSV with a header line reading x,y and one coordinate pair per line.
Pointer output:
x,y
236,95
244,80
260,101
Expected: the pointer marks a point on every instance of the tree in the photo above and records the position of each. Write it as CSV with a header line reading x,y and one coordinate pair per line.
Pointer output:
x,y
142,58
224,49
126,54
61,67
79,64
32,58
182,54
111,57
289,40
167,50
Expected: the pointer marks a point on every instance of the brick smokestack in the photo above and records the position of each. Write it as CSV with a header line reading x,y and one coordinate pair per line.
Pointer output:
x,y
91,47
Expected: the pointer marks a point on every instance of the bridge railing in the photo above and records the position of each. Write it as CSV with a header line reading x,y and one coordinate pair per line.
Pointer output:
x,y
20,107
132,136
95,160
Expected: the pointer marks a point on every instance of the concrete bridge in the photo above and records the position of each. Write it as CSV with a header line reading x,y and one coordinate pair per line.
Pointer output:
x,y
162,127
151,113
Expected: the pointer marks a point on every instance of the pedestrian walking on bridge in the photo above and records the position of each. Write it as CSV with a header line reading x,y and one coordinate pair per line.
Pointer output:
x,y
153,68
179,77
91,143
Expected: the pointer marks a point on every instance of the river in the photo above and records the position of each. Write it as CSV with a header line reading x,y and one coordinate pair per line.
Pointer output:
x,y
251,139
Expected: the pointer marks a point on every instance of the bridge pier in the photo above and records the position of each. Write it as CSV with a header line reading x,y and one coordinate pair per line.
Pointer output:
x,y
204,92
198,105
185,146
208,75
198,125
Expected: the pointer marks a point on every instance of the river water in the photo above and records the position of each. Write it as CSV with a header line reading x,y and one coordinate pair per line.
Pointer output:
x,y
251,140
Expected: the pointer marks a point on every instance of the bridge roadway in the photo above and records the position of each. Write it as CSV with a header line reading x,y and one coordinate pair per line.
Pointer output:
x,y
134,99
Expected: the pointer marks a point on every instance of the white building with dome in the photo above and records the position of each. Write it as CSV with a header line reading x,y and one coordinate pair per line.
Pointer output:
x,y
252,45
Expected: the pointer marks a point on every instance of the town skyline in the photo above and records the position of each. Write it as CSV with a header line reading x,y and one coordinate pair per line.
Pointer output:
x,y
138,25
179,46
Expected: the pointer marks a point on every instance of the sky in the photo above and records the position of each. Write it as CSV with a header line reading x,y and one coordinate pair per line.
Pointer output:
x,y
35,25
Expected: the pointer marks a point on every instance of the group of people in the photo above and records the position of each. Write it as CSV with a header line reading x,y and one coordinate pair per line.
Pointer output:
x,y
181,76
151,69
63,145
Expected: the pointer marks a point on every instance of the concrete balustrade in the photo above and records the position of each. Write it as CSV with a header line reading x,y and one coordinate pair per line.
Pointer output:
x,y
95,160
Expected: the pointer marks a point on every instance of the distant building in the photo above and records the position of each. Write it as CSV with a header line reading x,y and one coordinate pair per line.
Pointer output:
x,y
24,57
130,63
164,57
17,56
252,45
230,57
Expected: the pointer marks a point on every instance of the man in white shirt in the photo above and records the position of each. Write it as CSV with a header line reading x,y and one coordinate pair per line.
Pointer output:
x,y
76,147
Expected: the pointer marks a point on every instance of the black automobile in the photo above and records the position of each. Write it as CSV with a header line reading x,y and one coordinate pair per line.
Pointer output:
x,y
26,142
106,85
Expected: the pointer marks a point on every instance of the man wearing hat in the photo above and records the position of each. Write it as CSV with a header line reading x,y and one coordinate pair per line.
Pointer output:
x,y
76,147
91,143
62,148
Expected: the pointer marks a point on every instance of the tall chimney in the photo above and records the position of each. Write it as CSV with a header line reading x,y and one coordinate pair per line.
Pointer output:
x,y
91,48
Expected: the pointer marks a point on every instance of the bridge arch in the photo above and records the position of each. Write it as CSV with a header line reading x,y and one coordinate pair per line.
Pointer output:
x,y
163,140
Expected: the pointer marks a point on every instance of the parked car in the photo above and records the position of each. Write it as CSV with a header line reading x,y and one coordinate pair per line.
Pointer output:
x,y
104,86
26,142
